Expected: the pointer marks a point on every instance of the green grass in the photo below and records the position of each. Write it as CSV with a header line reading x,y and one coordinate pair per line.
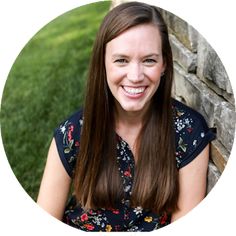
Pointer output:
x,y
45,86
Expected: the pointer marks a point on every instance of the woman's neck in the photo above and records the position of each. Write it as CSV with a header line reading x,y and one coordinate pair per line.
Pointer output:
x,y
128,125
129,119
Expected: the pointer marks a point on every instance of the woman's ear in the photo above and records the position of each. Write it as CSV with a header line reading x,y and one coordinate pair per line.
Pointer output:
x,y
163,69
163,66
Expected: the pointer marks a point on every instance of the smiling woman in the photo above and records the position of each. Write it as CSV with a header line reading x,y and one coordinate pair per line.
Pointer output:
x,y
133,69
137,158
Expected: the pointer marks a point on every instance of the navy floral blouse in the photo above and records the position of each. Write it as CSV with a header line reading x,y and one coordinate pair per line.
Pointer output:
x,y
192,135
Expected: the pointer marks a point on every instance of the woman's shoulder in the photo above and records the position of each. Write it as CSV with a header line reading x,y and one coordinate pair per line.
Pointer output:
x,y
67,138
187,120
183,111
72,122
192,133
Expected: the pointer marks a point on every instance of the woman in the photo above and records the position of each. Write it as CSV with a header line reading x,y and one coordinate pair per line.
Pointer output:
x,y
136,157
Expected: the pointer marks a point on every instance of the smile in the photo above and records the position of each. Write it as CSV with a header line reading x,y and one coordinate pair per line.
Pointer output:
x,y
134,91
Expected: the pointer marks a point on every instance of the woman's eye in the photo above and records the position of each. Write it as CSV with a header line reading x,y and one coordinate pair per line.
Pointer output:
x,y
149,61
121,61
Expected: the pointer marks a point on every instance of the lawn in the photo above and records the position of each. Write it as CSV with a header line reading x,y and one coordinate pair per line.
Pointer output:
x,y
44,87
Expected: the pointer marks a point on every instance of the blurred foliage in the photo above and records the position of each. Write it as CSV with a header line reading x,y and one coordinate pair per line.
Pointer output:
x,y
44,87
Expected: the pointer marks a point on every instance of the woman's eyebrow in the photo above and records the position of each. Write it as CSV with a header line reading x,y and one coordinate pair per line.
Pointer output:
x,y
152,55
121,55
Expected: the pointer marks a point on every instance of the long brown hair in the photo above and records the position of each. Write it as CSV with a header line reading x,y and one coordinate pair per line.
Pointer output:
x,y
97,181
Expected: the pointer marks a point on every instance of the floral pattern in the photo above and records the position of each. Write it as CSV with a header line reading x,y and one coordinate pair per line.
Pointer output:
x,y
191,136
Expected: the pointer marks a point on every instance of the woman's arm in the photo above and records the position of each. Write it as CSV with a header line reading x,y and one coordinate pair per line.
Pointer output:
x,y
55,185
192,180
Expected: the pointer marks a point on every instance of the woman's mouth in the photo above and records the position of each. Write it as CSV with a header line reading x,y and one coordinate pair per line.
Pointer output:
x,y
134,91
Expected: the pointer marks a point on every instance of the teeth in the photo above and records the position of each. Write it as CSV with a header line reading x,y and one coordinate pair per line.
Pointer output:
x,y
134,91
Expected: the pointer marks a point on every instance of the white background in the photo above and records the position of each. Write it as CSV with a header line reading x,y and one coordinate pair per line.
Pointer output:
x,y
20,20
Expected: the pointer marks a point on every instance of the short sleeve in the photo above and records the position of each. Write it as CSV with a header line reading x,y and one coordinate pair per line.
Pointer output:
x,y
67,138
192,134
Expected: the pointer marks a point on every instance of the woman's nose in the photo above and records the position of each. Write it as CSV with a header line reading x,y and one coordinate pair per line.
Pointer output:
x,y
135,73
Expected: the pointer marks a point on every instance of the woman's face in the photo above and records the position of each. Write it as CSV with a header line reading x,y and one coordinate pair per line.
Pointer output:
x,y
134,64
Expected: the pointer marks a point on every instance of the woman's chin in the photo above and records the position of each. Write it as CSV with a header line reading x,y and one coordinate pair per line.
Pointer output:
x,y
132,108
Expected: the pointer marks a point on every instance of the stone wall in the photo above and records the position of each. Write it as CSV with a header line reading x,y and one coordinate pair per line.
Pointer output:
x,y
201,82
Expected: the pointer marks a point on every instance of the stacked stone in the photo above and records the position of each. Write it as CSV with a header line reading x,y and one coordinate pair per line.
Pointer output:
x,y
117,2
202,83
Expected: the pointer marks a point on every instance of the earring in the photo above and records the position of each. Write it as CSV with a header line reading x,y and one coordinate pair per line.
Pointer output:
x,y
162,73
